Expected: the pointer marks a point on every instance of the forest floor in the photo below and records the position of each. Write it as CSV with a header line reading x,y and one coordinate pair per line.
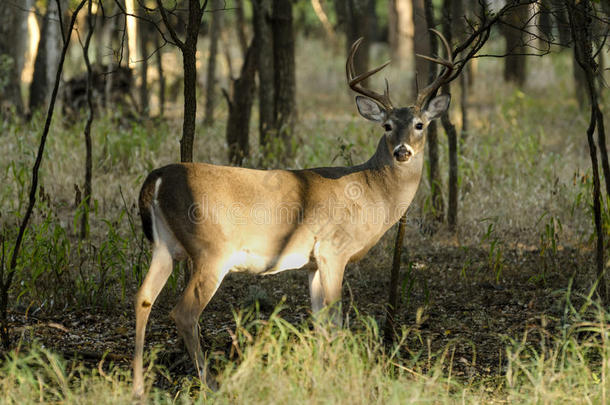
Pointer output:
x,y
452,298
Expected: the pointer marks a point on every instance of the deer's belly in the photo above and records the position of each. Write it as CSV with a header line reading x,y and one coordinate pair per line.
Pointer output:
x,y
252,262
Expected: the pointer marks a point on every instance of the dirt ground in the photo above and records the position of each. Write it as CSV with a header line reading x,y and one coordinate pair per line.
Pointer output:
x,y
451,297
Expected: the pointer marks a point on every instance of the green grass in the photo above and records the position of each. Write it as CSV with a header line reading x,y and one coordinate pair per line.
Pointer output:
x,y
275,362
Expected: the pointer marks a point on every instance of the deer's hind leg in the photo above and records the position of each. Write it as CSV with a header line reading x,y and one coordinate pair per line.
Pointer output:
x,y
158,273
207,275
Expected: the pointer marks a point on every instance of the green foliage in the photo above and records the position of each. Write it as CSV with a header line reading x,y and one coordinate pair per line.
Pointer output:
x,y
277,362
549,245
495,261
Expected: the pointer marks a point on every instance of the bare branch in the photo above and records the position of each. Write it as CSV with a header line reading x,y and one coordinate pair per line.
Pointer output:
x,y
168,25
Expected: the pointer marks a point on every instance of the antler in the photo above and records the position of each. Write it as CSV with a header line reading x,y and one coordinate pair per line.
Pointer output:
x,y
423,96
354,81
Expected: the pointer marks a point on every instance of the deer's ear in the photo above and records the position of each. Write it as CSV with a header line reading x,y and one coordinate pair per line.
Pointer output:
x,y
370,109
437,106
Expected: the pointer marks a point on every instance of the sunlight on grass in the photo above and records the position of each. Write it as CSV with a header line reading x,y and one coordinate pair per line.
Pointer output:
x,y
276,362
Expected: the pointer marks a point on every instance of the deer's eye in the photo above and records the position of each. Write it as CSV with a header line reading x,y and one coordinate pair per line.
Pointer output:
x,y
387,127
419,126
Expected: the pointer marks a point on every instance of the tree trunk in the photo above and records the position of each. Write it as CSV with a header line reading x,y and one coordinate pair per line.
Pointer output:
x,y
13,43
210,94
241,26
545,22
401,31
421,45
580,15
357,24
284,69
189,59
452,209
437,201
159,60
47,57
240,107
84,229
392,305
110,33
464,88
561,21
143,36
580,84
264,59
515,61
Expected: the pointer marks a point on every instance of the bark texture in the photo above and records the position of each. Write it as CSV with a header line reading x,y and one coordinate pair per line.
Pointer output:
x,y
13,42
210,93
264,59
284,70
515,62
47,58
434,176
240,107
401,31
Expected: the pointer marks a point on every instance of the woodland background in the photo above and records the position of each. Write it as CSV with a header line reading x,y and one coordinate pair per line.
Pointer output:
x,y
500,287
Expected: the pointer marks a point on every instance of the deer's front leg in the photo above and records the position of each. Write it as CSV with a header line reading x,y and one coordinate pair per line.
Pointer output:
x,y
331,266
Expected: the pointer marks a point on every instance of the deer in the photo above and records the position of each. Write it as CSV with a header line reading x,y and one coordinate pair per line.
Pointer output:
x,y
234,219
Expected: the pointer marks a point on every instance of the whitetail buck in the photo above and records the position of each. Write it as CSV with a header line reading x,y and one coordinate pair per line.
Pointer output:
x,y
235,219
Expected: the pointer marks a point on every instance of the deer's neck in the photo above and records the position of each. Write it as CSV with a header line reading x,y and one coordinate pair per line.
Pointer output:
x,y
395,183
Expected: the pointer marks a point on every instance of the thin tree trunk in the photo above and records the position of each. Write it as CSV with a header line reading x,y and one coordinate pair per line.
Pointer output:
x,y
579,14
545,22
241,26
401,31
240,107
392,305
437,201
189,60
452,209
13,42
143,62
284,69
358,24
464,87
210,94
420,45
112,28
159,59
7,274
188,47
47,58
86,207
515,62
266,76
561,21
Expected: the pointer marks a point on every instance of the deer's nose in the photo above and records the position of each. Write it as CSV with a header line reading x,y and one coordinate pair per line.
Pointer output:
x,y
403,152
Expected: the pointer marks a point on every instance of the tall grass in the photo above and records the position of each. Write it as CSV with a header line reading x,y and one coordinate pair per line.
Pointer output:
x,y
275,362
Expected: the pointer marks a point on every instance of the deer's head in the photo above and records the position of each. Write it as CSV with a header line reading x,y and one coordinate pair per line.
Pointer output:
x,y
405,127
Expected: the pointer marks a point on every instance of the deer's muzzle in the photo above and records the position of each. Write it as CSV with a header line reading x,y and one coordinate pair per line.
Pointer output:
x,y
403,153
